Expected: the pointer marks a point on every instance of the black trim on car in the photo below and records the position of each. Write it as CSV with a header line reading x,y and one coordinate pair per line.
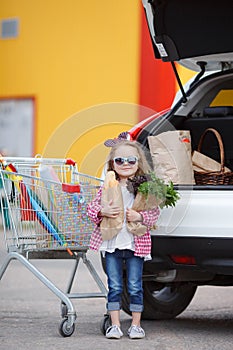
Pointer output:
x,y
212,255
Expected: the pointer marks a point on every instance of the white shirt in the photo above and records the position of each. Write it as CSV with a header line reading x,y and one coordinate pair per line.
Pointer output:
x,y
124,239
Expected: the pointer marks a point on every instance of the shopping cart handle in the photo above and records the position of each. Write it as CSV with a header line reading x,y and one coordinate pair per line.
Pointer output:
x,y
70,161
71,188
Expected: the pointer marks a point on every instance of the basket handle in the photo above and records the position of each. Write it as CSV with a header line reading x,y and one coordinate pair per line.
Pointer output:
x,y
220,143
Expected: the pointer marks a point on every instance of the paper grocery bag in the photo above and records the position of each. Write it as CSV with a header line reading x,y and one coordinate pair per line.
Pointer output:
x,y
171,156
203,163
109,227
141,203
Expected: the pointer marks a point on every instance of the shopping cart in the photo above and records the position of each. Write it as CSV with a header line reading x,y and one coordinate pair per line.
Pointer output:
x,y
44,217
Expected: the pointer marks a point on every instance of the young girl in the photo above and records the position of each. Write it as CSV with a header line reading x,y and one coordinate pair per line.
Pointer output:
x,y
126,159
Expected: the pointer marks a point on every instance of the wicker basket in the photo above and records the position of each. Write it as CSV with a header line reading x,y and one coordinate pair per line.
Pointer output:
x,y
221,177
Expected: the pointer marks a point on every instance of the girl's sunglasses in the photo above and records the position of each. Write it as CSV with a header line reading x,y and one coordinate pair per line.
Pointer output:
x,y
122,160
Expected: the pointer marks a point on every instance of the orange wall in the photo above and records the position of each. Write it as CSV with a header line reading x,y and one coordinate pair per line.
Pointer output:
x,y
72,55
81,61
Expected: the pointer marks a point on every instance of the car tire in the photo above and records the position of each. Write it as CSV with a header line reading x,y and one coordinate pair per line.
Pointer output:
x,y
162,301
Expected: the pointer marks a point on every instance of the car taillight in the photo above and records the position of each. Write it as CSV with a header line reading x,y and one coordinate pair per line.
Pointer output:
x,y
183,259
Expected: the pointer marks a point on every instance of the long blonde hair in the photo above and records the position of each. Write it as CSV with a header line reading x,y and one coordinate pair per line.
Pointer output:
x,y
143,165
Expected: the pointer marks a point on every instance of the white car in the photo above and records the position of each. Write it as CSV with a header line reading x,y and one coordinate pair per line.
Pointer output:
x,y
193,244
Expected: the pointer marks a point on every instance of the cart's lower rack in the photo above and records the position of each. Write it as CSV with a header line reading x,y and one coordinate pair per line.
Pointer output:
x,y
43,206
68,312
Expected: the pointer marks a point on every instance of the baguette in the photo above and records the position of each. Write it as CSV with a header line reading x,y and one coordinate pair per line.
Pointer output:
x,y
110,180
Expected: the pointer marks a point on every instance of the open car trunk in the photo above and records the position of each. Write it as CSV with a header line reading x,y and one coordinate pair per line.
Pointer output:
x,y
192,31
197,34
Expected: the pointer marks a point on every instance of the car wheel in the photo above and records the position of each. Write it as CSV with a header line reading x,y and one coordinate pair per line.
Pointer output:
x,y
162,301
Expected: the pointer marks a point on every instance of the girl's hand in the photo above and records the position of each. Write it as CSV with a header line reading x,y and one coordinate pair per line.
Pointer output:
x,y
132,215
110,210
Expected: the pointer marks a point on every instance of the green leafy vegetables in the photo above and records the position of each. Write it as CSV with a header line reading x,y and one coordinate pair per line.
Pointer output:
x,y
150,184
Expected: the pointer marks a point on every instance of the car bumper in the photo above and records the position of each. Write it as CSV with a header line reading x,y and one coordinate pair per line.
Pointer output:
x,y
197,255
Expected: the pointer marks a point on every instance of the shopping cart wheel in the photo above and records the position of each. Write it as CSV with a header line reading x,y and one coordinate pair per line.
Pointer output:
x,y
105,323
65,330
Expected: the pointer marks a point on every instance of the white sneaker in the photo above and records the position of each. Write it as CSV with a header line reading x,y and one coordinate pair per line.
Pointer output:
x,y
114,332
136,332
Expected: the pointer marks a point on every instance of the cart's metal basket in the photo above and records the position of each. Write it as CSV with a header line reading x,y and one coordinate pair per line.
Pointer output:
x,y
44,206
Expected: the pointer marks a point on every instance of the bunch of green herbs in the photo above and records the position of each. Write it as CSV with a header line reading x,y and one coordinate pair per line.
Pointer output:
x,y
151,184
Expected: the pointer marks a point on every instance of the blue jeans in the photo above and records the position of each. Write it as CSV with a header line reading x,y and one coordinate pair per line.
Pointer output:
x,y
114,269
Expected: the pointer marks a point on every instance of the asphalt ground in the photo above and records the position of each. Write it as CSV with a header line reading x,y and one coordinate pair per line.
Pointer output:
x,y
30,314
